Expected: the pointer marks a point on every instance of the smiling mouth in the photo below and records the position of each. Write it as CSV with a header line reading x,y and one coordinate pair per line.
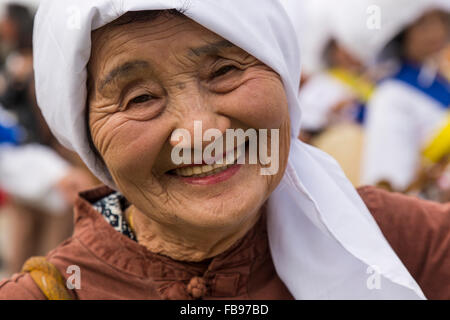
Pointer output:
x,y
202,171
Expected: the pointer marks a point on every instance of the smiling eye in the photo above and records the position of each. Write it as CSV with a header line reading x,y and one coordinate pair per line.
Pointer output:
x,y
141,99
223,71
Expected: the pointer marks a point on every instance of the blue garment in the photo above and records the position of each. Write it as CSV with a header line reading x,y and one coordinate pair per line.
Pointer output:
x,y
439,90
361,113
10,135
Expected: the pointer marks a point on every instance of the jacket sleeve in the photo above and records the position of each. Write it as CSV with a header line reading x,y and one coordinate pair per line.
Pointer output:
x,y
20,287
419,233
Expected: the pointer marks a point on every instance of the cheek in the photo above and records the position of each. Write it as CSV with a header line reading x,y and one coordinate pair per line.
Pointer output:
x,y
133,146
259,103
262,104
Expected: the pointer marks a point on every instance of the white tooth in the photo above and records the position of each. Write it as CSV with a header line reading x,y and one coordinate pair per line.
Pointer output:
x,y
217,166
202,171
197,170
186,172
206,169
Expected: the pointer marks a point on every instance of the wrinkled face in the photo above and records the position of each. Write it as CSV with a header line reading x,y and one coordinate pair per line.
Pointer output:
x,y
427,36
154,77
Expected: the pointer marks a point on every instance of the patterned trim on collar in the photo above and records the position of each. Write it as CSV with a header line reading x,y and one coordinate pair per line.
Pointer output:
x,y
112,208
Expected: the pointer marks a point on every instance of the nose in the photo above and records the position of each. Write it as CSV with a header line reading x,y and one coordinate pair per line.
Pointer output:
x,y
197,117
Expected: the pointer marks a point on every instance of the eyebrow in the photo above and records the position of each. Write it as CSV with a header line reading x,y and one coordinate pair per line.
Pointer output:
x,y
122,71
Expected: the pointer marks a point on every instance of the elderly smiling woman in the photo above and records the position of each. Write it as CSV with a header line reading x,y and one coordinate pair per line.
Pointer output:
x,y
116,80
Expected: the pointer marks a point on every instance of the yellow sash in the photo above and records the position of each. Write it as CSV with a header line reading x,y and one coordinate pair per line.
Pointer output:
x,y
360,85
439,147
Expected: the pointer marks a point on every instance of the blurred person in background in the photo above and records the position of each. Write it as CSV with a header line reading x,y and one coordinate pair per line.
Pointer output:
x,y
10,133
339,86
407,123
16,32
433,180
36,174
335,106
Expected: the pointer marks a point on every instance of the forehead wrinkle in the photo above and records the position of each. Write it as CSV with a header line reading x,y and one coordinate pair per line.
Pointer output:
x,y
123,35
123,38
171,29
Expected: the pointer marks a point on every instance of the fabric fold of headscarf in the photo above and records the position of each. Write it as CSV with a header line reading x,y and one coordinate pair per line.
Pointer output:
x,y
323,239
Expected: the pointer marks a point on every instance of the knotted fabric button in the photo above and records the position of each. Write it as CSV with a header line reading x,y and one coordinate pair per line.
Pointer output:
x,y
197,288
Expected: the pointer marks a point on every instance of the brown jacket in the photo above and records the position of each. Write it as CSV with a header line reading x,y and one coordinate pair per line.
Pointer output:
x,y
115,267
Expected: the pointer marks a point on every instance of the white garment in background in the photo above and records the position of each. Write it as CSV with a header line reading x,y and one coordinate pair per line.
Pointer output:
x,y
400,121
318,97
30,174
324,242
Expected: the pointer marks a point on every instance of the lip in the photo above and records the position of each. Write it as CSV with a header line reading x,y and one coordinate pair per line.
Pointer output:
x,y
213,179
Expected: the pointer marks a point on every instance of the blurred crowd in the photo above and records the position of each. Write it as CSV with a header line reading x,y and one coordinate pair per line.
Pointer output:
x,y
39,179
375,92
376,98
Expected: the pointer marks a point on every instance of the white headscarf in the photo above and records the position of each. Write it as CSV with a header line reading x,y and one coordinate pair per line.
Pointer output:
x,y
323,239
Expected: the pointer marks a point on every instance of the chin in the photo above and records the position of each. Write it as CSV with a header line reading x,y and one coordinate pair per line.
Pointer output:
x,y
234,207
